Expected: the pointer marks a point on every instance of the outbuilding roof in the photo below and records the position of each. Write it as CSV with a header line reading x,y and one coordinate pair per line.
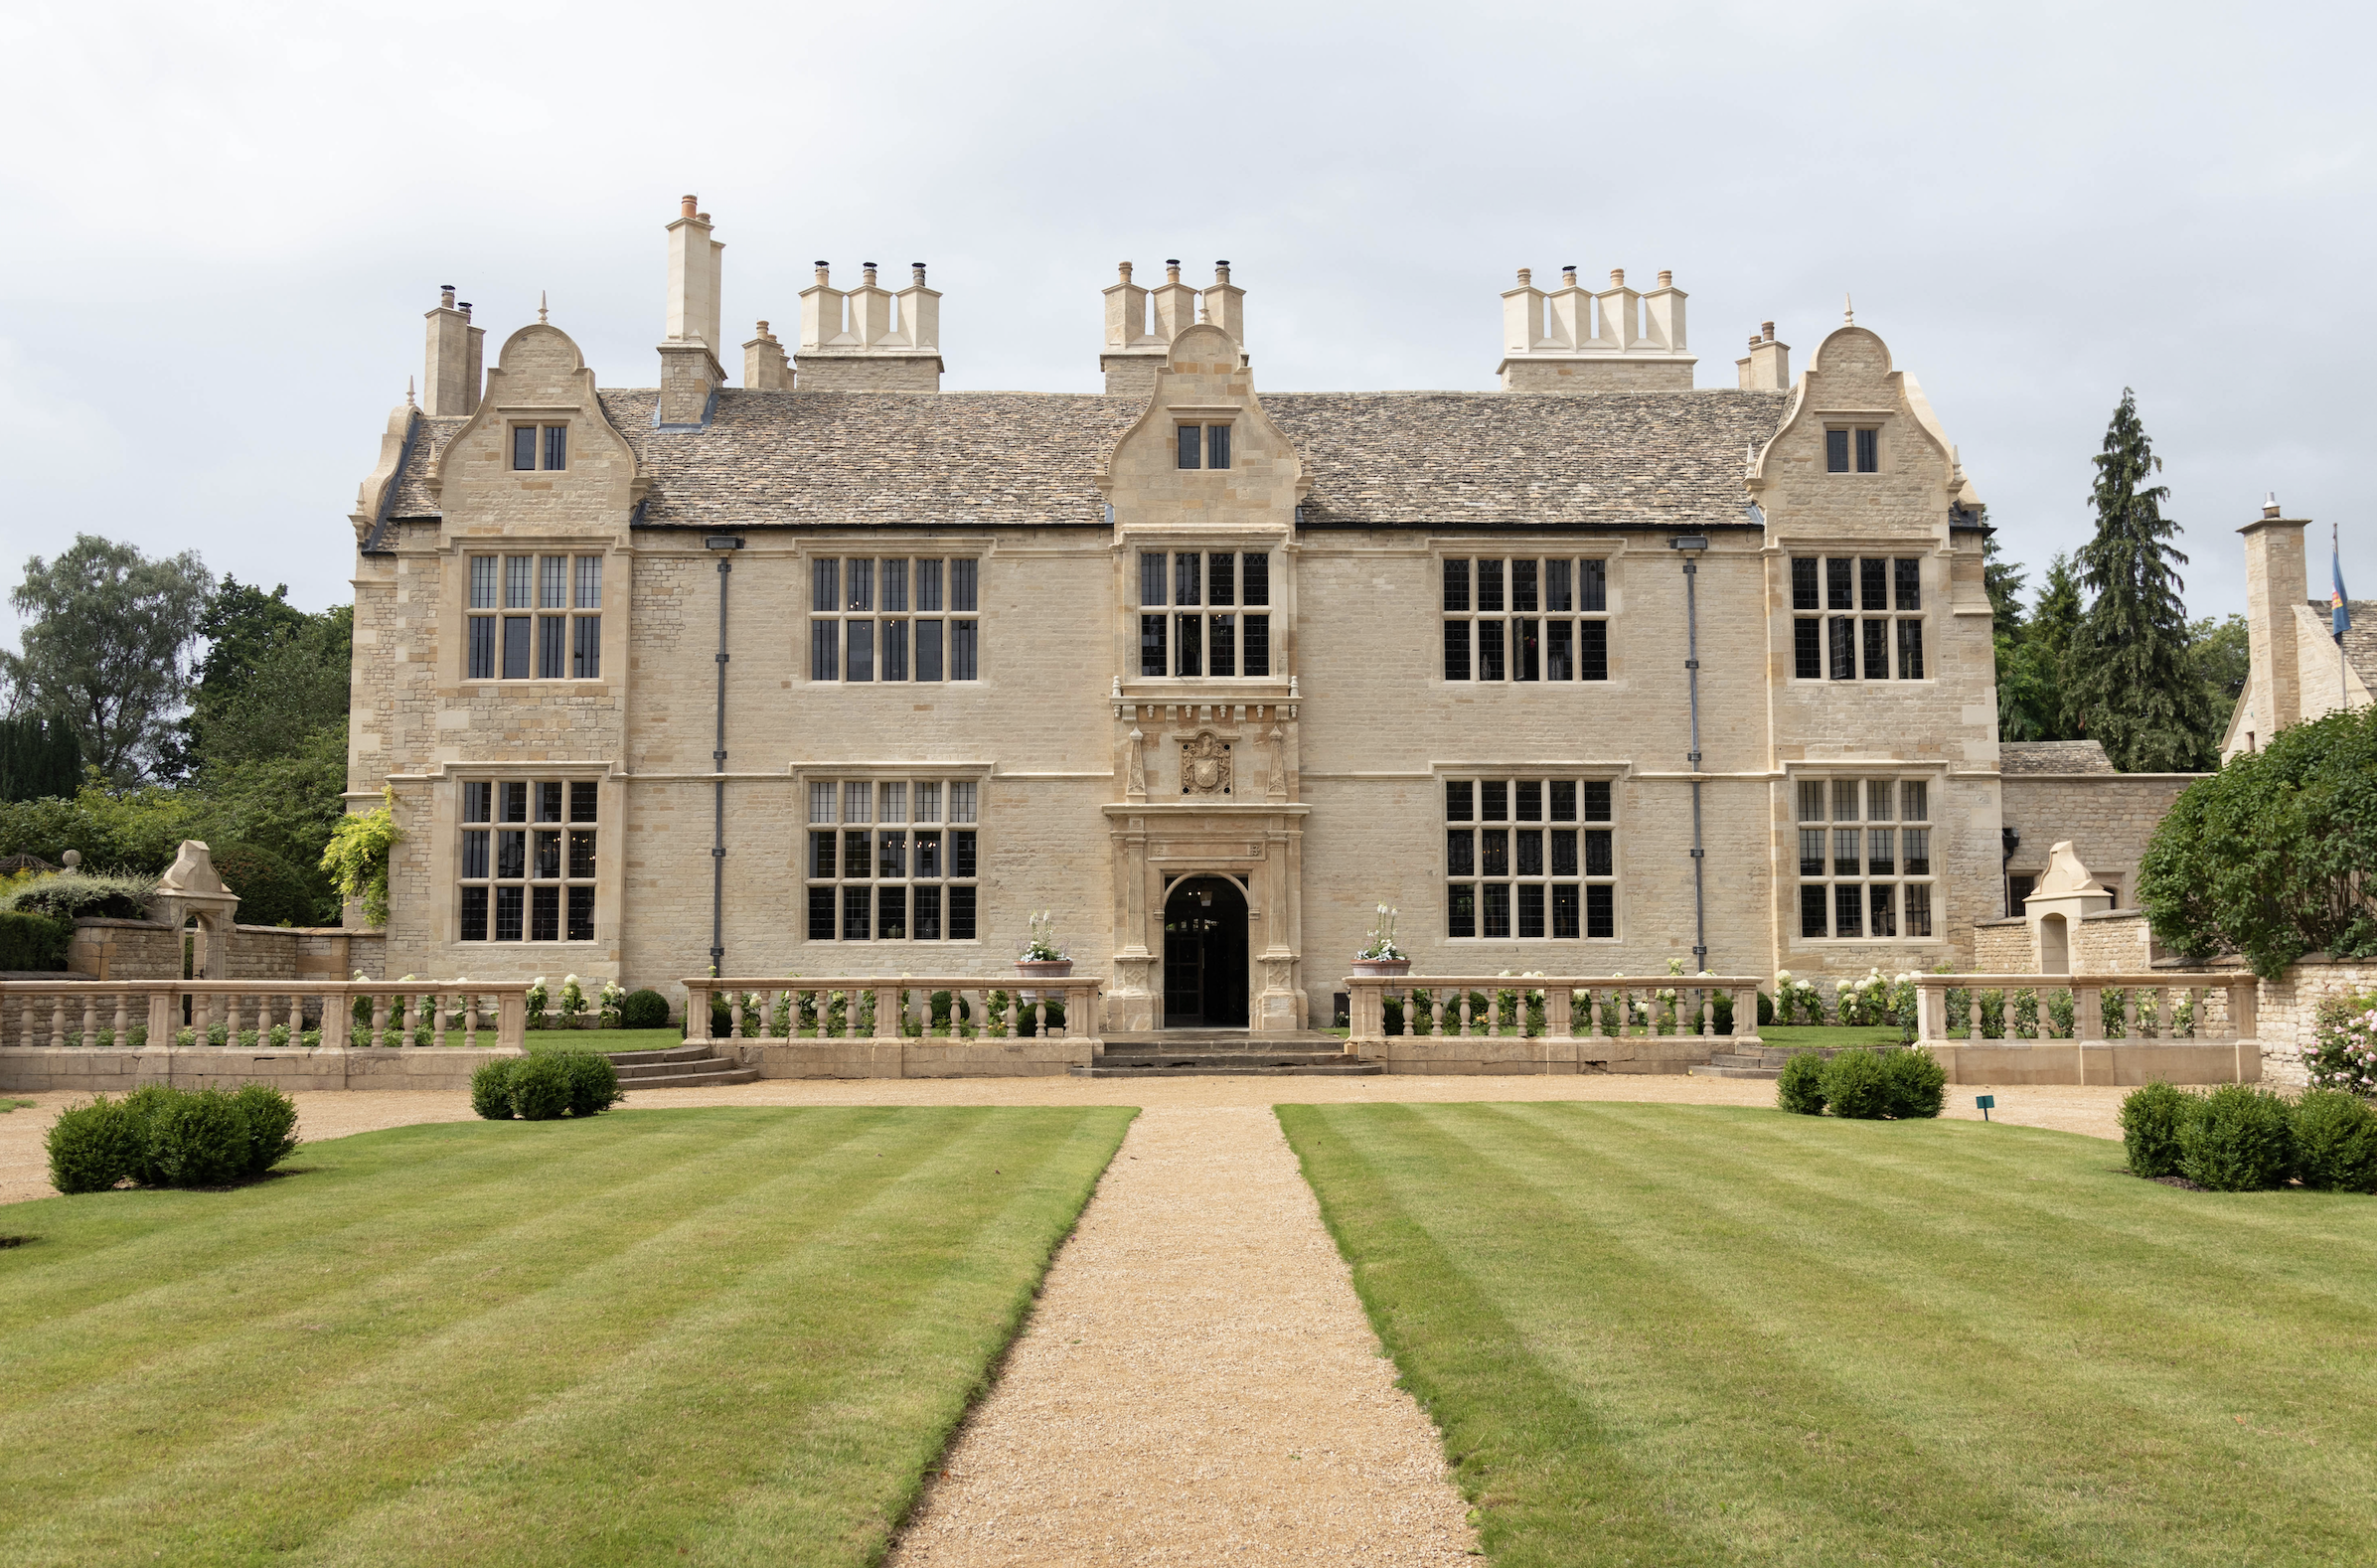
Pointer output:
x,y
1429,459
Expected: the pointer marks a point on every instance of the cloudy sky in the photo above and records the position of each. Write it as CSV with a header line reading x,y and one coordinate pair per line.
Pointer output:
x,y
230,219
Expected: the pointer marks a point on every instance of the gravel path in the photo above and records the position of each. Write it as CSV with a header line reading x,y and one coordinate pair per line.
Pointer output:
x,y
1198,1384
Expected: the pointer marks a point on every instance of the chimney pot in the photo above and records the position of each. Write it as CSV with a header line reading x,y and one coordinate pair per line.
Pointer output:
x,y
2269,505
916,270
763,328
690,203
704,216
1617,277
1527,276
1568,274
1766,330
1122,272
446,295
1666,280
465,308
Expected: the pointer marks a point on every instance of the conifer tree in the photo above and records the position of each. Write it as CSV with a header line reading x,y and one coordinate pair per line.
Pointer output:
x,y
2130,678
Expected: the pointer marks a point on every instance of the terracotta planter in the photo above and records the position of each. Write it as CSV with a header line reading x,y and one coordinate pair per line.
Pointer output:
x,y
1382,968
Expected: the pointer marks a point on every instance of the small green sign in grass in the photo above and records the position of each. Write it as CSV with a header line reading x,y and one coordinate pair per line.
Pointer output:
x,y
731,1336
1685,1334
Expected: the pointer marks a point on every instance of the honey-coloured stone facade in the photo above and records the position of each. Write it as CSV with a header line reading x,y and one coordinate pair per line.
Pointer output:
x,y
1316,789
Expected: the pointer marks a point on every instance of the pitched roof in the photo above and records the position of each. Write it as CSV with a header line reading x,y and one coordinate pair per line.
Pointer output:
x,y
2053,756
1020,459
2360,639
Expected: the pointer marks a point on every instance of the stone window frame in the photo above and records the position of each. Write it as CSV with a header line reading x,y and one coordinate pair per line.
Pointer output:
x,y
1512,656
1204,548
941,774
824,665
1859,447
1836,628
1588,910
1206,423
550,440
1899,877
577,787
577,644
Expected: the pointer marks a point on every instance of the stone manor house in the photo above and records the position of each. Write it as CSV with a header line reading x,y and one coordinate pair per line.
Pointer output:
x,y
832,673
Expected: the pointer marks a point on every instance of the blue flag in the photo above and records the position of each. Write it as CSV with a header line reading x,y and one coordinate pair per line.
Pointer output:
x,y
2337,600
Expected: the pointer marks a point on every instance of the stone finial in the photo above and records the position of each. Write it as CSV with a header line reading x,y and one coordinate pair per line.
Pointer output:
x,y
1848,310
541,311
2065,875
408,392
70,858
193,871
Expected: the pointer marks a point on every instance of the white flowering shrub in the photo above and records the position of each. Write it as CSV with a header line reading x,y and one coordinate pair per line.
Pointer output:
x,y
1795,1000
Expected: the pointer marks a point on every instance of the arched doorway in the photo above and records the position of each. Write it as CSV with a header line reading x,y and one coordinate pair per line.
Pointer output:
x,y
1205,954
2054,946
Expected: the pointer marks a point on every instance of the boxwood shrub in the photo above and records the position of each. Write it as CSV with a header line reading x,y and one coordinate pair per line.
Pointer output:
x,y
1800,1089
1918,1085
2151,1118
2242,1140
491,1087
1858,1085
644,1010
541,1087
159,1135
2335,1142
594,1082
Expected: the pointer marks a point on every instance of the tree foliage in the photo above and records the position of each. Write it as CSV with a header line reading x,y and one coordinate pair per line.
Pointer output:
x,y
106,647
38,756
2128,674
2276,855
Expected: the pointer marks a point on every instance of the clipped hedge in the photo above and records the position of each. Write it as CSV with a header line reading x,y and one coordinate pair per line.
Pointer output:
x,y
1800,1089
1858,1085
31,940
644,1010
1918,1085
2335,1142
545,1086
158,1136
2151,1121
2240,1140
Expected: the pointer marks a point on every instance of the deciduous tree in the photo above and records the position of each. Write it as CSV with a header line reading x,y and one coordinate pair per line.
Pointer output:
x,y
105,646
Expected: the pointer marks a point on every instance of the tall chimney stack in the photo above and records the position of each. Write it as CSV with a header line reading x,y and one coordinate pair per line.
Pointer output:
x,y
456,349
689,368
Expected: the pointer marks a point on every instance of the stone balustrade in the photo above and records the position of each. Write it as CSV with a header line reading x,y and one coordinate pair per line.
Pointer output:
x,y
2102,1029
118,1035
872,1026
1546,1022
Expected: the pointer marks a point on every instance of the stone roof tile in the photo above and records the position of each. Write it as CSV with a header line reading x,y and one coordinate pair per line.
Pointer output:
x,y
2053,756
1019,459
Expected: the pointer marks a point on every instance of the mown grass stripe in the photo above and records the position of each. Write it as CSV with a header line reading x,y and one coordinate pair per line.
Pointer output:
x,y
1939,1361
808,1245
1710,1284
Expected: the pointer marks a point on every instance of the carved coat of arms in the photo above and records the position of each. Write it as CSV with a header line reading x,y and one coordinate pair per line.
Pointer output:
x,y
1206,765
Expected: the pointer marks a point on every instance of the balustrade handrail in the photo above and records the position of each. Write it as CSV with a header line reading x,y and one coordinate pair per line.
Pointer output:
x,y
171,1008
1366,997
1078,995
2237,1022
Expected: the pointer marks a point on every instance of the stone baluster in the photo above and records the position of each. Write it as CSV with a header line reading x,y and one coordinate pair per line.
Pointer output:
x,y
379,1030
470,1019
232,1021
2132,1021
1708,1014
736,1002
1972,1015
202,1022
122,1033
89,1034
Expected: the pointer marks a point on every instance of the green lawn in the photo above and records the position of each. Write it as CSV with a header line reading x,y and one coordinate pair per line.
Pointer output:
x,y
1676,1335
599,1040
700,1336
1805,1037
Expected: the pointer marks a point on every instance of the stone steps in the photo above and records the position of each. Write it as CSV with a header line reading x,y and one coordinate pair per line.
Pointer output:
x,y
1222,1053
683,1067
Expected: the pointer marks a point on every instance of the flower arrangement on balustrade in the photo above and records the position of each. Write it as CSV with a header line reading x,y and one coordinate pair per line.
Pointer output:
x,y
1044,948
1795,1000
1382,948
2343,1054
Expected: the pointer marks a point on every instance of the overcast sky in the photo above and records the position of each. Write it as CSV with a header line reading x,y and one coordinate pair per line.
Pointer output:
x,y
230,219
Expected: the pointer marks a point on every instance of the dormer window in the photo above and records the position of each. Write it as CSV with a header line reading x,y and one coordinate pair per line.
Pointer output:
x,y
530,441
1864,441
1204,445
